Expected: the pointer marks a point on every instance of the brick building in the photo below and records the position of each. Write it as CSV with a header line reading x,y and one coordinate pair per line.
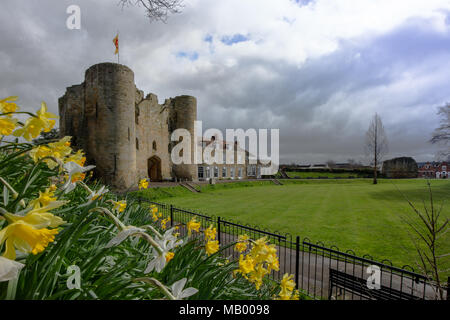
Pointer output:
x,y
431,170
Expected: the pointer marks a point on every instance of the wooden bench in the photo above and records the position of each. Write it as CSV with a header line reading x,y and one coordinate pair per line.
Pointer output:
x,y
358,286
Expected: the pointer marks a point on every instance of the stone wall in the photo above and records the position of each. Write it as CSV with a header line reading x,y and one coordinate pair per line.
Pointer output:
x,y
123,133
403,167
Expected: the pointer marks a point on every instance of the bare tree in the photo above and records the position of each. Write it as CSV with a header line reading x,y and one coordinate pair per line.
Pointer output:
x,y
376,144
330,163
156,9
441,135
428,230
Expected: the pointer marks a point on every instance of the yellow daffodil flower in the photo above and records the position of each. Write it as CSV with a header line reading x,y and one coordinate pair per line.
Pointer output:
x,y
212,247
120,205
241,246
77,157
7,126
164,222
246,265
210,233
193,225
169,256
287,286
26,238
58,150
45,198
143,184
35,125
7,106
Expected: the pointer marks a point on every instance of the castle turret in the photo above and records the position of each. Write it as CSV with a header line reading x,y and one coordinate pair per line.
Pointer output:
x,y
125,135
183,113
110,116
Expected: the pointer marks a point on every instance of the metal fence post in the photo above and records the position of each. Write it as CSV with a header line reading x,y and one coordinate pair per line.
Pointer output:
x,y
218,229
297,259
171,215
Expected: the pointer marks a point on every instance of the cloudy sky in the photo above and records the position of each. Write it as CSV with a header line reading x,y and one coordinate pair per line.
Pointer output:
x,y
317,70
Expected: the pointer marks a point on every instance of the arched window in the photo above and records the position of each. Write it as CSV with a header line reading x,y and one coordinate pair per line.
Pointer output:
x,y
154,145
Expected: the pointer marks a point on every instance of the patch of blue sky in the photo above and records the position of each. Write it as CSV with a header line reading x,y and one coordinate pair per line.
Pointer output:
x,y
236,38
187,55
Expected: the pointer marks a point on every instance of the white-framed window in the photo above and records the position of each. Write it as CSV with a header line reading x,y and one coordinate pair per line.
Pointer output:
x,y
232,173
216,172
224,172
208,172
251,170
200,172
240,172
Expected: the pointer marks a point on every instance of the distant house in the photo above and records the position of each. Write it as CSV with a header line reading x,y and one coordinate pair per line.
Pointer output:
x,y
442,171
430,170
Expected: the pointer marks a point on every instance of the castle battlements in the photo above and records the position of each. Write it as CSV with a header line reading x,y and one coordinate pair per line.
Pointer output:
x,y
126,135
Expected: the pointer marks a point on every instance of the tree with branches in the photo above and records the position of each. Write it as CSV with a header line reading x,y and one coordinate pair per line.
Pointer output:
x,y
441,136
429,228
376,144
156,10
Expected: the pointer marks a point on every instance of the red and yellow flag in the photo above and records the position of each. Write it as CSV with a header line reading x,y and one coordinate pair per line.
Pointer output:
x,y
116,43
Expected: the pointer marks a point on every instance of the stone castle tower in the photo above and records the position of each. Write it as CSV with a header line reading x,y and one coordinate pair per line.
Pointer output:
x,y
126,135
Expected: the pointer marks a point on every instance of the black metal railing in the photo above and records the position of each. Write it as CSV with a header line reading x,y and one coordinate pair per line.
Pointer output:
x,y
319,271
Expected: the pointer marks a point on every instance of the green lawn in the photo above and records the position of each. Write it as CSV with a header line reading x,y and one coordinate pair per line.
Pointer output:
x,y
351,214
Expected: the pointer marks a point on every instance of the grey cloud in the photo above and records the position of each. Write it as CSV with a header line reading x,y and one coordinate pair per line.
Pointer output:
x,y
321,107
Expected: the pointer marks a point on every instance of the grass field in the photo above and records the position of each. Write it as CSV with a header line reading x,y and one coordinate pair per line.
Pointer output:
x,y
351,214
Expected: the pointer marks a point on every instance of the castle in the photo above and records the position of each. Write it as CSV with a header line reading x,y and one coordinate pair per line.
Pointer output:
x,y
124,134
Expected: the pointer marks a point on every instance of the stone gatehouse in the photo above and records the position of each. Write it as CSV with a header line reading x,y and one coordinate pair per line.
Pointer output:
x,y
123,132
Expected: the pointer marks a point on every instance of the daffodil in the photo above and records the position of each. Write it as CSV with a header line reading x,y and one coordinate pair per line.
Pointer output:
x,y
94,195
159,259
38,217
26,238
210,233
212,247
246,265
77,157
7,125
143,184
179,292
259,262
120,205
45,198
36,124
6,106
164,223
193,225
287,286
257,276
241,245
59,150
9,269
176,291
74,170
169,256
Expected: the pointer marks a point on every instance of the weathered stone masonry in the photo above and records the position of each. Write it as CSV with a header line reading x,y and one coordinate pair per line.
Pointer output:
x,y
126,135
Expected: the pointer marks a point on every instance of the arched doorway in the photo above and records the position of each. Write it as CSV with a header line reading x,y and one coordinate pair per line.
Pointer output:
x,y
154,168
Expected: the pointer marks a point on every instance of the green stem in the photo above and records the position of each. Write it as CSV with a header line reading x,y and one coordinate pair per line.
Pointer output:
x,y
158,284
12,288
7,185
